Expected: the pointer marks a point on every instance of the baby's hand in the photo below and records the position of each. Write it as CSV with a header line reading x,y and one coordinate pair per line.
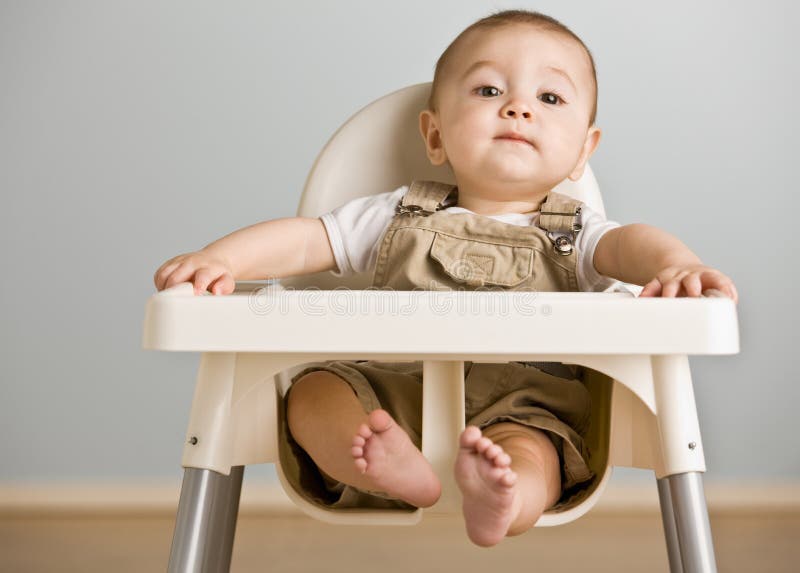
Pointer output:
x,y
204,270
689,280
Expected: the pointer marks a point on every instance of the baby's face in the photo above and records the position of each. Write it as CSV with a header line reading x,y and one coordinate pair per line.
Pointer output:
x,y
512,111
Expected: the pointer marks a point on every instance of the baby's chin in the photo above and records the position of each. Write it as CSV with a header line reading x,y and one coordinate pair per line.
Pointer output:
x,y
507,178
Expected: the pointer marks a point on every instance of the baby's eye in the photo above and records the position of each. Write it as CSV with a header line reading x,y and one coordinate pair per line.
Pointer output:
x,y
551,98
488,91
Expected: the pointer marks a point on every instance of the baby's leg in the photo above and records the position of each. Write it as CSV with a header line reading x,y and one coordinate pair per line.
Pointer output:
x,y
508,476
369,452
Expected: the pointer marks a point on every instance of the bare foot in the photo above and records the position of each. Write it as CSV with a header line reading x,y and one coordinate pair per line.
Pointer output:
x,y
384,454
483,473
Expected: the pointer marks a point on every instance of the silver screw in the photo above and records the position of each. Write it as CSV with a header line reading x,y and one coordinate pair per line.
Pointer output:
x,y
692,445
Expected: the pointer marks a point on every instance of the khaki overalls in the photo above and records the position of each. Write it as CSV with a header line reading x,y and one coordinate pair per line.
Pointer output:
x,y
433,250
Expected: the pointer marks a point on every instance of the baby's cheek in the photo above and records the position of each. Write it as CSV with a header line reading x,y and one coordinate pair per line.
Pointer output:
x,y
460,146
572,151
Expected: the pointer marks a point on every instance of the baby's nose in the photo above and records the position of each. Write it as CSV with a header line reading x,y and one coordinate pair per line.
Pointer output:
x,y
517,110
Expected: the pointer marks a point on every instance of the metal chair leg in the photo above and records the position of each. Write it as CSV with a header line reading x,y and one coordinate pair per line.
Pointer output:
x,y
670,531
206,521
686,526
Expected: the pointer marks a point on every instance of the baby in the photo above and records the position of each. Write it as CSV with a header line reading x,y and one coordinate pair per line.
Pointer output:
x,y
512,112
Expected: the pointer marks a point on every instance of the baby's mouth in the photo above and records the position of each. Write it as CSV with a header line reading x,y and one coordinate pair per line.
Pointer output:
x,y
514,138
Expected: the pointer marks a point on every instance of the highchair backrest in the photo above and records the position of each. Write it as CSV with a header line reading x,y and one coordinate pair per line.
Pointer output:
x,y
380,149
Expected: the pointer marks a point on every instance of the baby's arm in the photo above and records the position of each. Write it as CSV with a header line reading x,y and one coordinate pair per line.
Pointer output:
x,y
644,255
271,249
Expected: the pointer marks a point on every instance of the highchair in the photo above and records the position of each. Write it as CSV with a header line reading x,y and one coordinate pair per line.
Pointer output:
x,y
635,352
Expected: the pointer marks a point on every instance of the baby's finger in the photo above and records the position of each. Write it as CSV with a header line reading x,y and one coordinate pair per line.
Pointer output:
x,y
223,285
671,288
692,285
202,278
716,280
735,293
730,291
653,288
162,274
181,274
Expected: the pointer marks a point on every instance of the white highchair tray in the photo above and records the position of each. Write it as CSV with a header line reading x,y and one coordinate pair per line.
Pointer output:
x,y
471,325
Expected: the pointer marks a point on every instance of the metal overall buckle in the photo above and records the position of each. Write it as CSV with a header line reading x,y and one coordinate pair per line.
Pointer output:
x,y
563,244
411,210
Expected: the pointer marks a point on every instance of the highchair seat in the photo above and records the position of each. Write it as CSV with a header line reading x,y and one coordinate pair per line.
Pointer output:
x,y
636,351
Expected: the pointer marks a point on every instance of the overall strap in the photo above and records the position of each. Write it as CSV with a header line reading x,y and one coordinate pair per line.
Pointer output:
x,y
425,197
560,214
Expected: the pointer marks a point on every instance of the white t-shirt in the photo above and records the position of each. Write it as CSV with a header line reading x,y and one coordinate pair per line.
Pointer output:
x,y
356,229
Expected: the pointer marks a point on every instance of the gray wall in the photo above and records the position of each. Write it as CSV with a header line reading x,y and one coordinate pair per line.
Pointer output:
x,y
131,132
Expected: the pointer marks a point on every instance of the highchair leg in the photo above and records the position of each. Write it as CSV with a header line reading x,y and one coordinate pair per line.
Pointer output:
x,y
670,530
679,471
686,526
206,522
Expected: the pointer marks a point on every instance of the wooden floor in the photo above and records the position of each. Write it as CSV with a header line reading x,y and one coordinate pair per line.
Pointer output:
x,y
289,543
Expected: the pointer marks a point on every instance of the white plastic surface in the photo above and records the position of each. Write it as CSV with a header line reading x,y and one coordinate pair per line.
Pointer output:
x,y
234,411
443,383
448,325
250,335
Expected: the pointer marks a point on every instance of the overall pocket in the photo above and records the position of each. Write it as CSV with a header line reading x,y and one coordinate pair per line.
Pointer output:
x,y
477,263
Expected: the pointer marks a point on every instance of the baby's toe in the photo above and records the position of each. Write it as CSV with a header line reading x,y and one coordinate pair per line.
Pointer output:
x,y
508,479
361,465
364,431
492,452
483,444
359,440
357,451
469,437
380,420
496,474
503,460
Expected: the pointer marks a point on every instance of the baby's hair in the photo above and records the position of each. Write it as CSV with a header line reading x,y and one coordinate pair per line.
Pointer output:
x,y
506,18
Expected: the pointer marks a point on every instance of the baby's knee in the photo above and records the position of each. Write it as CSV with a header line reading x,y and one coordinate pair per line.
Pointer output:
x,y
309,384
311,393
307,390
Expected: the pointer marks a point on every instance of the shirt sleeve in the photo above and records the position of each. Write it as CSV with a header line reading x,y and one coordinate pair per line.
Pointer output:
x,y
355,230
594,226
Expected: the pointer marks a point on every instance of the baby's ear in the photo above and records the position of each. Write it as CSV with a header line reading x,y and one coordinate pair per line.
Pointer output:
x,y
429,128
591,143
